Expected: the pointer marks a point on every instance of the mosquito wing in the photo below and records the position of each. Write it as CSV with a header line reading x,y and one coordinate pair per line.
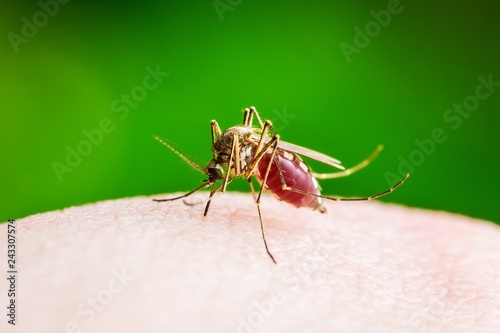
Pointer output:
x,y
304,152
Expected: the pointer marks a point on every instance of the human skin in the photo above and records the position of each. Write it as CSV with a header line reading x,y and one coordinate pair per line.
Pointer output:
x,y
133,265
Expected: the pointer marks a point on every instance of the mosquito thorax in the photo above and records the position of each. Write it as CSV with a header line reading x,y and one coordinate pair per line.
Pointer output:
x,y
224,143
215,171
246,148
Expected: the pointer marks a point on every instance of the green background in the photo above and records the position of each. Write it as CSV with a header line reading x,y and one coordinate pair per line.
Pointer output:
x,y
284,57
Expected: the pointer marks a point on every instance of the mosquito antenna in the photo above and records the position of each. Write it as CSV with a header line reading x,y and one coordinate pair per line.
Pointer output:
x,y
194,165
352,170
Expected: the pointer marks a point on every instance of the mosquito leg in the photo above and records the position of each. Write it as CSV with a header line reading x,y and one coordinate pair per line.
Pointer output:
x,y
349,199
263,136
352,170
247,121
275,141
212,192
357,167
216,133
185,195
209,198
236,145
216,129
249,118
253,110
258,156
228,171
251,188
283,184
227,179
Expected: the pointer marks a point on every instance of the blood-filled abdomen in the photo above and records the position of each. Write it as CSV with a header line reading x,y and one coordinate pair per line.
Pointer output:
x,y
296,174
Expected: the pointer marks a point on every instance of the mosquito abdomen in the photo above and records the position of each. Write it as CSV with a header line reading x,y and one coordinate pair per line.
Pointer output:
x,y
296,174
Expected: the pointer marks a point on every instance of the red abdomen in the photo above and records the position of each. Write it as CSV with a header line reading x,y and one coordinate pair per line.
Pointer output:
x,y
296,174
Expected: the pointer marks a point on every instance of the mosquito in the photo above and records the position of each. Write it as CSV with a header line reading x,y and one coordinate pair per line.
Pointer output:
x,y
247,151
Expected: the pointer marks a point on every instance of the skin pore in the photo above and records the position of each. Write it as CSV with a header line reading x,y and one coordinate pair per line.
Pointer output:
x,y
132,264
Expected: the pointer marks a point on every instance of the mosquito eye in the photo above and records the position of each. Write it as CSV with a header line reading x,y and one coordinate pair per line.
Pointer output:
x,y
215,173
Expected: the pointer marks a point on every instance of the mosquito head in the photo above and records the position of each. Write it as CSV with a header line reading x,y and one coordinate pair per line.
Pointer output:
x,y
215,171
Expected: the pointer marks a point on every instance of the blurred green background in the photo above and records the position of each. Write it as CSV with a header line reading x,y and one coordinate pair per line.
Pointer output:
x,y
68,70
